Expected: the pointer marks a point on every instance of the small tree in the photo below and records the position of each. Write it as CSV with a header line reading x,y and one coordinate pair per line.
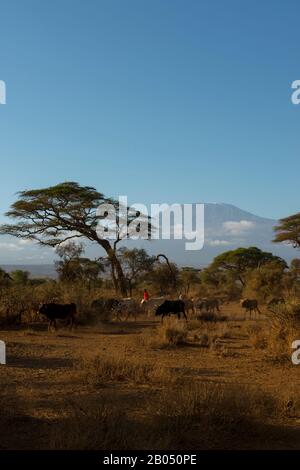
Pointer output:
x,y
73,267
212,277
216,281
68,266
90,271
295,269
265,282
20,277
291,278
163,280
5,278
189,277
135,263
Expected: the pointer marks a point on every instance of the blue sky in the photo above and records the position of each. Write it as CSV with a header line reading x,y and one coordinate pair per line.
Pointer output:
x,y
164,101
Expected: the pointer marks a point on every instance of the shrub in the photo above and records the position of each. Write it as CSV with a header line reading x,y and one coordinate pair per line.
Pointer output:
x,y
284,328
99,369
172,332
257,336
17,304
203,340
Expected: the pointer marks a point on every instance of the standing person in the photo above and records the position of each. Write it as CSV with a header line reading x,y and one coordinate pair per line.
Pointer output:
x,y
145,300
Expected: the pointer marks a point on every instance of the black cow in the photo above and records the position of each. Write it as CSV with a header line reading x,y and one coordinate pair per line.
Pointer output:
x,y
210,305
170,307
250,305
58,312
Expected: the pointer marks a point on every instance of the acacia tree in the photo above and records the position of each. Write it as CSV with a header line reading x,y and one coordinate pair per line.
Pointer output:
x,y
238,262
67,211
288,230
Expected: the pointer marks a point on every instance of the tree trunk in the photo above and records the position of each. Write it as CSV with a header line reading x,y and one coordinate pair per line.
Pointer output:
x,y
114,278
130,287
122,284
119,279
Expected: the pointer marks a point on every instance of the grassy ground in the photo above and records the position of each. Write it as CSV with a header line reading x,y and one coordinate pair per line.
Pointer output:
x,y
138,385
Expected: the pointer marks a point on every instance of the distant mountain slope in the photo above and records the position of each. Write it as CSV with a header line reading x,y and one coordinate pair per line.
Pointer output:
x,y
216,213
226,227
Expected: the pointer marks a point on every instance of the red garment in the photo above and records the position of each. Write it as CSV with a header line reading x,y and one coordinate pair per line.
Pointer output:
x,y
146,296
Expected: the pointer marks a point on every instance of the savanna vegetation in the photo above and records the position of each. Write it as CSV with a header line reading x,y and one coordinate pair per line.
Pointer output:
x,y
224,379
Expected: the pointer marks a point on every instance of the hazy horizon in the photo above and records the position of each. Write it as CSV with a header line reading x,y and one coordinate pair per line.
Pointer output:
x,y
226,227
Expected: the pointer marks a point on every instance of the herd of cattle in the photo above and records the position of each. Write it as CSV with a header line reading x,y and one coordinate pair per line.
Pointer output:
x,y
126,308
158,306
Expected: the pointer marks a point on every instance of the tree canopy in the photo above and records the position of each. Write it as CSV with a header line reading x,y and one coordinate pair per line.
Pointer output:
x,y
241,260
288,230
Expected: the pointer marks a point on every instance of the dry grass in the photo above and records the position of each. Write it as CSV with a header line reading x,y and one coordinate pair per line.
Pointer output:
x,y
100,370
257,336
174,333
203,340
139,386
279,341
100,428
204,415
171,333
209,334
282,329
211,317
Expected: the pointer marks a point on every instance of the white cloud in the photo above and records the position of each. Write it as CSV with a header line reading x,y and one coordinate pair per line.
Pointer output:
x,y
10,246
25,241
238,228
19,245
